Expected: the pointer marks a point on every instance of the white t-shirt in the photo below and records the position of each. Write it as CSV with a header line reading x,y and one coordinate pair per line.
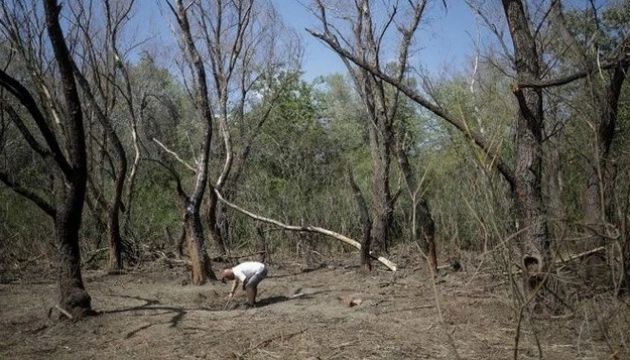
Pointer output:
x,y
247,269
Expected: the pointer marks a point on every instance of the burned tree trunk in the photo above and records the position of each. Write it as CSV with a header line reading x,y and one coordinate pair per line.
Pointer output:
x,y
73,297
115,263
71,177
64,153
201,269
211,215
380,145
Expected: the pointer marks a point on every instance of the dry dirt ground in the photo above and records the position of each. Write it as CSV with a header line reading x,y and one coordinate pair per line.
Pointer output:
x,y
151,313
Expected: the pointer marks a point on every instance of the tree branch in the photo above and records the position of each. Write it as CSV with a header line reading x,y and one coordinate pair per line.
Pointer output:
x,y
313,229
570,78
201,100
30,139
74,122
493,157
28,194
26,99
180,190
182,161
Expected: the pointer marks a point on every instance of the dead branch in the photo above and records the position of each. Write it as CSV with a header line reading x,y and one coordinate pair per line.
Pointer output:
x,y
582,255
309,228
27,262
63,311
182,161
227,304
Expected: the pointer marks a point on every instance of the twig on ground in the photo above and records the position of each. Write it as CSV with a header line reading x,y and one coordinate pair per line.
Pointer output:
x,y
268,341
61,310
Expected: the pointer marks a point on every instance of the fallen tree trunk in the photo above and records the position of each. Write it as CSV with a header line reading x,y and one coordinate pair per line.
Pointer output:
x,y
313,229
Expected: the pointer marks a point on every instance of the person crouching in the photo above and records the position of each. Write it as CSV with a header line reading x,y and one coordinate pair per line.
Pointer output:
x,y
250,273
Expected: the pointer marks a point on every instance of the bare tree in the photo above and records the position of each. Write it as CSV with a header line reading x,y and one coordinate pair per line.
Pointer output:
x,y
227,29
527,190
242,52
245,47
248,47
53,128
201,267
103,64
367,41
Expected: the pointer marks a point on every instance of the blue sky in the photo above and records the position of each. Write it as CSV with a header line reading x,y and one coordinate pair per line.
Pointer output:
x,y
445,40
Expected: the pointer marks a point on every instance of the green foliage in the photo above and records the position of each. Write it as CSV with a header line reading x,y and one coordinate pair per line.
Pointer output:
x,y
155,208
603,30
24,228
467,197
296,159
164,108
312,131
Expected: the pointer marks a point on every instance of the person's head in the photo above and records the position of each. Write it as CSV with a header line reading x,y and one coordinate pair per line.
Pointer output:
x,y
227,274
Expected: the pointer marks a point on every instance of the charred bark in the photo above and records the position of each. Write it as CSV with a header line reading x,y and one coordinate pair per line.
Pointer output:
x,y
182,238
211,215
73,297
201,267
71,182
380,145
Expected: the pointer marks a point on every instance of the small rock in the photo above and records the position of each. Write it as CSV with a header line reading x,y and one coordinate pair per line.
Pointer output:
x,y
350,301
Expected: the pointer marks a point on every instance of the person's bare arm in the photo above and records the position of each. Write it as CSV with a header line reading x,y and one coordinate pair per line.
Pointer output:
x,y
234,286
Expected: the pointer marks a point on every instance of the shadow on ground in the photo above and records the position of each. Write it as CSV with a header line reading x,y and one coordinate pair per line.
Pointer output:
x,y
272,300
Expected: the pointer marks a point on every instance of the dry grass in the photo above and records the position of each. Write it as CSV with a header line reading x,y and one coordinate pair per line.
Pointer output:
x,y
148,313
